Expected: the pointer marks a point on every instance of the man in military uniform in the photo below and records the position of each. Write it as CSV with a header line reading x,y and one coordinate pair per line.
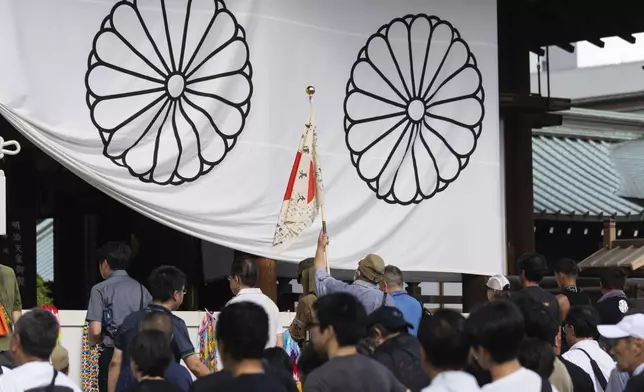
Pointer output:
x,y
304,312
10,303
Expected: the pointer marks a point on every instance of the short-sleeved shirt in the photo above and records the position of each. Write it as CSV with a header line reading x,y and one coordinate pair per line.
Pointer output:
x,y
542,296
9,299
181,345
256,296
368,294
122,295
352,373
410,308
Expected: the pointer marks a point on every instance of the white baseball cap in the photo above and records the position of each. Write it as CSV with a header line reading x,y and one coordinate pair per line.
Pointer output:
x,y
630,326
497,282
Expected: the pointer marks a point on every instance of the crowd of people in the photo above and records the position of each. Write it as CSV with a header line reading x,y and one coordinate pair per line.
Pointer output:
x,y
368,335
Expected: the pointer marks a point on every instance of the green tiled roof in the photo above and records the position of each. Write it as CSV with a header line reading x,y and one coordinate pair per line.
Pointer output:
x,y
575,178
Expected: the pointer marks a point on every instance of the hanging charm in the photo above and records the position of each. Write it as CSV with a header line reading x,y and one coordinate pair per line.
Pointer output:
x,y
4,150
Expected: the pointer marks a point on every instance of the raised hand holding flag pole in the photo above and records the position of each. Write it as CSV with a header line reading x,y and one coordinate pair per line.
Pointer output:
x,y
304,194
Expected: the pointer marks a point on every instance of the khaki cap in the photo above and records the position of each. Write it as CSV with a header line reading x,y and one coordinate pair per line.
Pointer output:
x,y
59,358
371,268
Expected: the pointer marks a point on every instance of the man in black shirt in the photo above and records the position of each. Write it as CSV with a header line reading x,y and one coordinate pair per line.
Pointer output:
x,y
532,268
566,272
613,304
242,333
396,348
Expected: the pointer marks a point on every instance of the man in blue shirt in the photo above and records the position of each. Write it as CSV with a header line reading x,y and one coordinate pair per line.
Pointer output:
x,y
409,306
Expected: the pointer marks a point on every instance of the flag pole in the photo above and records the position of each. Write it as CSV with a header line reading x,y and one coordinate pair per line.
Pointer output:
x,y
310,90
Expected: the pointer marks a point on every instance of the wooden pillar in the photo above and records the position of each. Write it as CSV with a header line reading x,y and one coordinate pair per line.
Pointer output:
x,y
267,279
473,291
610,234
514,78
414,290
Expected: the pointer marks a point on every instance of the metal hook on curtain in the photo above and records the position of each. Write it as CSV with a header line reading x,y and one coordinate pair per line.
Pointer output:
x,y
5,150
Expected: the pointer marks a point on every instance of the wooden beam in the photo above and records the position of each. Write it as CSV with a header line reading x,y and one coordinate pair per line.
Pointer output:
x,y
570,48
636,243
597,42
630,38
533,102
267,279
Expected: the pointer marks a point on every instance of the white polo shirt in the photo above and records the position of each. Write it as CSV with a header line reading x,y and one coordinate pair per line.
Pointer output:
x,y
256,296
604,361
34,375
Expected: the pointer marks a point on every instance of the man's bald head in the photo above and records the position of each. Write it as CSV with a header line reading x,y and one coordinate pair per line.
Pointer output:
x,y
159,321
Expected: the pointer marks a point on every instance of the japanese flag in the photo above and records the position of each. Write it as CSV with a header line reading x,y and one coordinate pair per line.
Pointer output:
x,y
304,194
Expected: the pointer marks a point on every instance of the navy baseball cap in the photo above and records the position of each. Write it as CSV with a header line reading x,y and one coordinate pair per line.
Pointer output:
x,y
389,317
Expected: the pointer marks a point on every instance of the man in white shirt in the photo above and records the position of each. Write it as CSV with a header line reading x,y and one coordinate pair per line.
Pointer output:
x,y
495,331
243,278
581,329
445,351
32,343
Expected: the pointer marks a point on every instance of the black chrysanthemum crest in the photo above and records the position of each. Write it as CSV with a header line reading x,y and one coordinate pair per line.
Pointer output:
x,y
414,109
169,105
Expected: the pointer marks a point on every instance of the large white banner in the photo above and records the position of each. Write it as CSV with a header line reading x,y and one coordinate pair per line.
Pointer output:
x,y
191,112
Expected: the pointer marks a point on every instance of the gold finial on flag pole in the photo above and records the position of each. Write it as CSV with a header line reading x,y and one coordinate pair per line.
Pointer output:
x,y
310,90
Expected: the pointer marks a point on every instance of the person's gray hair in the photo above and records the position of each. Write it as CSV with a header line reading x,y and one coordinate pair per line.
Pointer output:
x,y
393,276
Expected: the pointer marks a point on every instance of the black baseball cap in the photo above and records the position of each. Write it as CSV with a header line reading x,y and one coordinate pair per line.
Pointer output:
x,y
389,317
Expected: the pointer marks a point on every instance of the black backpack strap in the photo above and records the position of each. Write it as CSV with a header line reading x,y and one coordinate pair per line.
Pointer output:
x,y
52,384
545,385
384,299
596,370
141,304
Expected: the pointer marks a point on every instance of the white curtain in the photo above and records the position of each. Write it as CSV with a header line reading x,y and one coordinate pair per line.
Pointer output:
x,y
190,112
